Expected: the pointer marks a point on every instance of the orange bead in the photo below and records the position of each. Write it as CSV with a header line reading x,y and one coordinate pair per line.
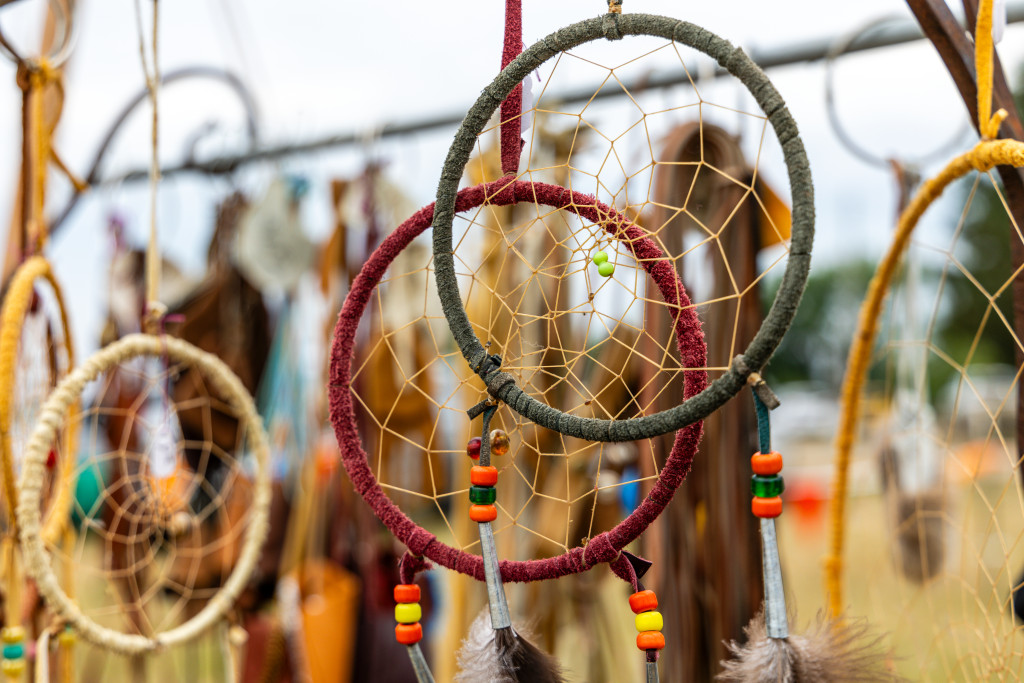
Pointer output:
x,y
766,507
483,476
410,634
407,592
644,601
650,640
766,463
483,513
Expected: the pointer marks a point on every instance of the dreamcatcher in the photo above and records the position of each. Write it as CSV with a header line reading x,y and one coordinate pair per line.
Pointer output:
x,y
36,349
175,439
545,289
909,467
713,600
949,604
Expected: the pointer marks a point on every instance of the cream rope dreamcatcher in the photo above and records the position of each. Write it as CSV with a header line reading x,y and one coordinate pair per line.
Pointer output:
x,y
183,457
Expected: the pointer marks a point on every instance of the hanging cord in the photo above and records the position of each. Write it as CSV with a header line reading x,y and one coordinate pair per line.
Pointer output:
x,y
34,76
775,615
154,309
408,567
984,51
500,616
512,107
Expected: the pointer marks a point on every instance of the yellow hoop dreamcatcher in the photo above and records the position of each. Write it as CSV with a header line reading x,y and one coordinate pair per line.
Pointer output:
x,y
36,348
963,602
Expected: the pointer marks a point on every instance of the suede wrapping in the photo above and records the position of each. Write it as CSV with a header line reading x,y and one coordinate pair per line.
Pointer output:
x,y
512,107
787,298
602,548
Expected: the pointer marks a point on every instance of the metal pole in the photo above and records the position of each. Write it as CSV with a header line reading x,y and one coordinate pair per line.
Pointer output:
x,y
811,51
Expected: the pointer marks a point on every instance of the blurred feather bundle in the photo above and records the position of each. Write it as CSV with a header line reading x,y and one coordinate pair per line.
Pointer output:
x,y
832,651
503,656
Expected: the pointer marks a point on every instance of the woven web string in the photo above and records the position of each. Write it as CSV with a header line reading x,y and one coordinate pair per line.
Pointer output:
x,y
164,530
954,505
576,340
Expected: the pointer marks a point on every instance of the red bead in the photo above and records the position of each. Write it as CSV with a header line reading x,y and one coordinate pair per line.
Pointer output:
x,y
644,601
473,447
51,459
483,476
483,513
407,592
766,507
650,640
409,634
766,464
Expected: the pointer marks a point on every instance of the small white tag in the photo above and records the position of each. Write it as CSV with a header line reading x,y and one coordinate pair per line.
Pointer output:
x,y
998,20
163,449
526,120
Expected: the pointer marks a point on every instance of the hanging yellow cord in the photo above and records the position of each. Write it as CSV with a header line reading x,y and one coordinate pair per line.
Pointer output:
x,y
988,123
33,79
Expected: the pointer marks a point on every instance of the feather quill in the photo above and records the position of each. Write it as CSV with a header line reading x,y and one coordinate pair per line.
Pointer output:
x,y
504,655
830,652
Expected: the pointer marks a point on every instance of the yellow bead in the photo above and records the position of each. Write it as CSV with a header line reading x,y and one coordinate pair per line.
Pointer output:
x,y
12,634
408,612
649,621
67,637
13,667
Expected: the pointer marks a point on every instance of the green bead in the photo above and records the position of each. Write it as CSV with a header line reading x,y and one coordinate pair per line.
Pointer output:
x,y
14,651
482,495
600,257
606,269
767,487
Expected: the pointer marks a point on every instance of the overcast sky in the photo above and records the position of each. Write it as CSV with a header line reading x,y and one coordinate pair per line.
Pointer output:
x,y
323,67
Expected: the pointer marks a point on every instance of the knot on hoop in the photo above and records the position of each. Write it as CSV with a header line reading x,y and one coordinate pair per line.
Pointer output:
x,y
34,74
599,550
419,540
630,569
610,24
756,382
503,190
410,565
489,363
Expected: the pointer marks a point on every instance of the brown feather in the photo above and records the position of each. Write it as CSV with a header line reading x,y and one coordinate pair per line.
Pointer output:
x,y
830,652
503,656
920,534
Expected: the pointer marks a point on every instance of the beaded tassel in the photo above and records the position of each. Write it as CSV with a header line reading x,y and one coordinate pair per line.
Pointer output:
x,y
649,623
832,651
511,656
14,652
408,631
766,485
